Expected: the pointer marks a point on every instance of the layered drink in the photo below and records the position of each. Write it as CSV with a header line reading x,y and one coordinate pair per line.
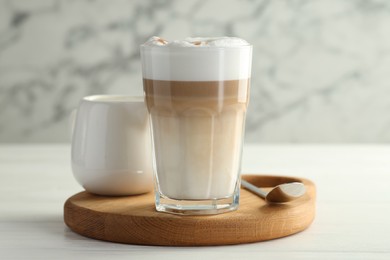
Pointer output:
x,y
197,93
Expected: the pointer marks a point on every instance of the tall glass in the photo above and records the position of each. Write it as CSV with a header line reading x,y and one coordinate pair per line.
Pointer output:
x,y
197,99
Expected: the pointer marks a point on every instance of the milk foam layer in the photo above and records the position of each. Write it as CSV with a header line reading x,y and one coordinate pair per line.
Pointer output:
x,y
198,42
196,59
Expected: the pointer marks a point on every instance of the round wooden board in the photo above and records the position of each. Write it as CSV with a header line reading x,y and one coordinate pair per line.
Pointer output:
x,y
134,220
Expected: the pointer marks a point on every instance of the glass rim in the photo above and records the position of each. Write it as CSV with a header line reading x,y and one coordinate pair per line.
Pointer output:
x,y
195,48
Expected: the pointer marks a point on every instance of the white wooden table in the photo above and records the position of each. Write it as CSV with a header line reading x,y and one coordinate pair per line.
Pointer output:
x,y
352,222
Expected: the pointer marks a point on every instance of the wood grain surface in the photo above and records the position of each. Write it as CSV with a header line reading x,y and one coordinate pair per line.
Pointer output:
x,y
134,220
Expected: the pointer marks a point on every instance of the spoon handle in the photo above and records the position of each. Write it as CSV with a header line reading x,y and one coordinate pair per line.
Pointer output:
x,y
253,189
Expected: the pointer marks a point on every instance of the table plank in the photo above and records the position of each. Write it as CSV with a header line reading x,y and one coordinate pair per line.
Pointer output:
x,y
353,206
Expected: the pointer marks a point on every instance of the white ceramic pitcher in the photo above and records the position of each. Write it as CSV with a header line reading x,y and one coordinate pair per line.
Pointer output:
x,y
111,145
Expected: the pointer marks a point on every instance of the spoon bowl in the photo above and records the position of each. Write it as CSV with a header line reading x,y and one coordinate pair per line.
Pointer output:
x,y
279,194
286,192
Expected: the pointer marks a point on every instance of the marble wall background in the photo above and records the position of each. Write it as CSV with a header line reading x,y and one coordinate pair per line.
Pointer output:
x,y
321,70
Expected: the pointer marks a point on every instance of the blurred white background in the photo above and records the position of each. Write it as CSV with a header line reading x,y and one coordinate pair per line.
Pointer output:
x,y
321,68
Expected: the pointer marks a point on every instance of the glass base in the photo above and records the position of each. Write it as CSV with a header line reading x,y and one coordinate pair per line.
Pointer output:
x,y
197,207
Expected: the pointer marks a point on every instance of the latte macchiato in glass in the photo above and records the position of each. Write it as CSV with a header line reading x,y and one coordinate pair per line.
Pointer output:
x,y
197,93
